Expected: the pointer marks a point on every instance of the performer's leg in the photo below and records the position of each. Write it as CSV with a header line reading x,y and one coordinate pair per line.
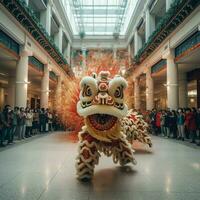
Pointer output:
x,y
125,152
88,156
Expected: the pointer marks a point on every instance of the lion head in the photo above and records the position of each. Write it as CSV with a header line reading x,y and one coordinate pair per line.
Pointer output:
x,y
102,101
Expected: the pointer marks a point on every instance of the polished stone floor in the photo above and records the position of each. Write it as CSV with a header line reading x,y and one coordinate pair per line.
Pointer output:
x,y
43,169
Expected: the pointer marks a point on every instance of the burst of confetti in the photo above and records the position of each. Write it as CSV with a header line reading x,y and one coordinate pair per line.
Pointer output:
x,y
96,62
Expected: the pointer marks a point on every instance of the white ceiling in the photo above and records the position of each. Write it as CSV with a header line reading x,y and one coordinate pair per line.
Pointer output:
x,y
99,17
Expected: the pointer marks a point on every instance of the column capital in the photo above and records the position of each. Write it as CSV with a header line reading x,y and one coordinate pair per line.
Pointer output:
x,y
26,52
146,8
27,2
61,27
168,54
46,90
61,77
50,3
147,71
83,48
47,69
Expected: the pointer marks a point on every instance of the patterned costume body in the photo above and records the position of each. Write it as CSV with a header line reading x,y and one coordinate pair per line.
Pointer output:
x,y
135,128
106,125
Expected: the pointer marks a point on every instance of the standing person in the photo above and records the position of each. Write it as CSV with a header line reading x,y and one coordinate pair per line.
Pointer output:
x,y
187,116
180,125
13,126
47,120
152,117
42,119
167,124
29,122
35,121
190,121
158,120
50,120
6,125
21,123
162,122
15,119
173,124
55,116
193,126
1,129
198,126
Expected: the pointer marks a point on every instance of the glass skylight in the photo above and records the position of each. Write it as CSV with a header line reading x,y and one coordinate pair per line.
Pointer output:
x,y
99,17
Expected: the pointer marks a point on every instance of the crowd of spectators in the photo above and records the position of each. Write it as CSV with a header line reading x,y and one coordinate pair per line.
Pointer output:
x,y
181,124
21,123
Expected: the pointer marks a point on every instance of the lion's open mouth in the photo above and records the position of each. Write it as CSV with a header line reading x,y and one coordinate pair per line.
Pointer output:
x,y
102,122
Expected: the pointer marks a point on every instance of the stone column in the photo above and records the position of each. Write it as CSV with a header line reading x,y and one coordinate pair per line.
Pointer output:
x,y
45,17
137,42
65,54
69,53
58,92
11,92
72,57
27,2
172,80
183,91
2,98
114,53
137,93
168,4
129,54
149,24
59,38
22,79
84,60
149,90
44,100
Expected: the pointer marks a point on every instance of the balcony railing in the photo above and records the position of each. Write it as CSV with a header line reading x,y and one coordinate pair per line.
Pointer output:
x,y
177,13
158,66
8,42
36,63
190,42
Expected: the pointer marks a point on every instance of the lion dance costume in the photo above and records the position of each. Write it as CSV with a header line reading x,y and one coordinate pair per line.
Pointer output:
x,y
108,124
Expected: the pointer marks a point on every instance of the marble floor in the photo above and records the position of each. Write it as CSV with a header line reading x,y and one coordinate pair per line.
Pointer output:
x,y
43,169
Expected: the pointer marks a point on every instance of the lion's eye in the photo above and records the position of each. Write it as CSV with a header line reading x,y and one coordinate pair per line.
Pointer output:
x,y
87,91
119,92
